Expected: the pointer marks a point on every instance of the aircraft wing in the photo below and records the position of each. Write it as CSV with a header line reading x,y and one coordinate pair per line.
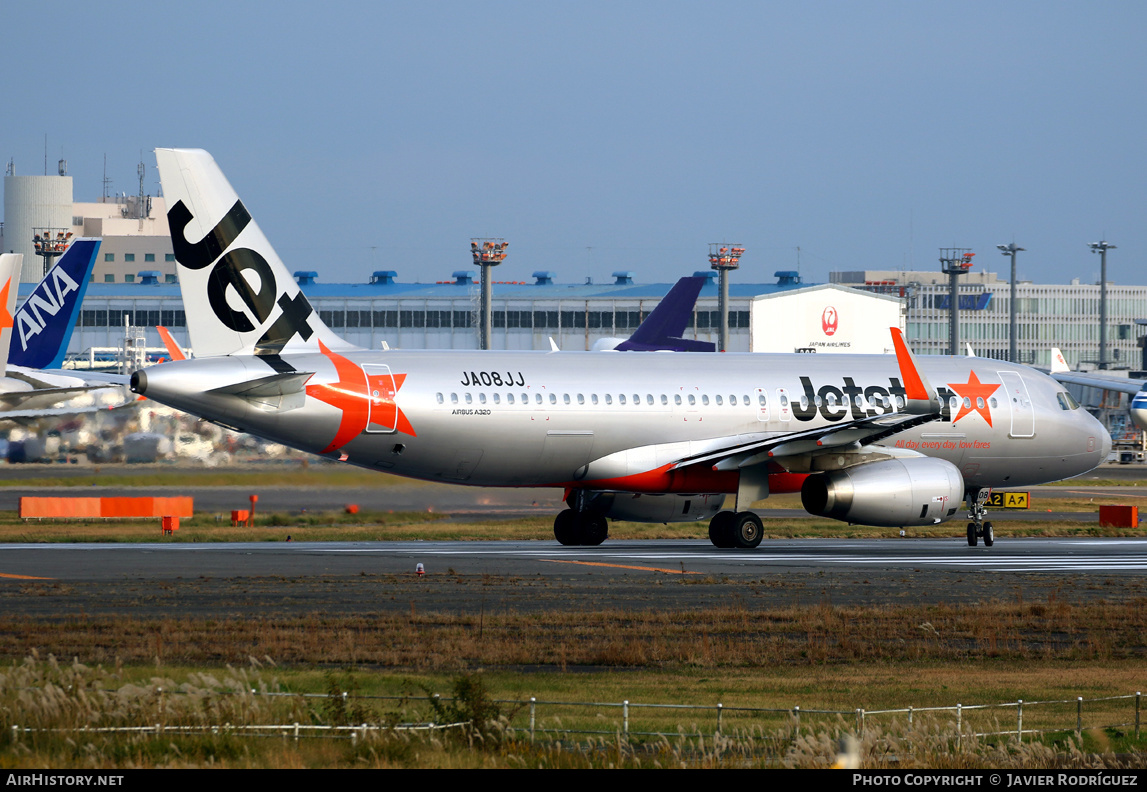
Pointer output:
x,y
1097,380
827,439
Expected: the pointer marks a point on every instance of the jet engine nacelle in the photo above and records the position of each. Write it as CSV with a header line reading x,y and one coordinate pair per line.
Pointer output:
x,y
894,493
1139,409
642,507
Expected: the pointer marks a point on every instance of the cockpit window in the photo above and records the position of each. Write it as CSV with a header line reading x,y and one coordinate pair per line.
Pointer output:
x,y
1066,401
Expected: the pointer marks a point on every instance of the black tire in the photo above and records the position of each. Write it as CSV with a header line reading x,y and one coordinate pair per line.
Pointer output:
x,y
989,535
594,529
971,534
566,528
747,530
721,530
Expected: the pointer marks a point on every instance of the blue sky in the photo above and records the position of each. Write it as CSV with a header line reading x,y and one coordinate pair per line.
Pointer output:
x,y
616,135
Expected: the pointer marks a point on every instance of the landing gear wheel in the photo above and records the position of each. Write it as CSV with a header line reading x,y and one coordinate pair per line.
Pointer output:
x,y
972,534
566,528
989,535
594,529
721,530
747,530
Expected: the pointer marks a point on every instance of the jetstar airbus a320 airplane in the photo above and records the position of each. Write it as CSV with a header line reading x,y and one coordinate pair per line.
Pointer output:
x,y
877,439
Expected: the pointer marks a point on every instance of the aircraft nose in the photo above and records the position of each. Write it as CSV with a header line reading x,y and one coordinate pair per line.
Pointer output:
x,y
1104,443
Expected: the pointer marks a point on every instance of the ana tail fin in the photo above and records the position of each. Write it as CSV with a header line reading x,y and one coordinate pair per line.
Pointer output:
x,y
238,295
43,326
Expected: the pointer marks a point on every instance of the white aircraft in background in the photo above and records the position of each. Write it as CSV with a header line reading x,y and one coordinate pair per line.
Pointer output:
x,y
1137,388
889,440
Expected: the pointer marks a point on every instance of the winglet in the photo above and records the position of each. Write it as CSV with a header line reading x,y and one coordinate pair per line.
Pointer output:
x,y
169,342
1058,363
917,391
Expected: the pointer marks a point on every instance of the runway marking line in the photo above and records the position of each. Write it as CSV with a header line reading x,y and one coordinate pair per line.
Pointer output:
x,y
621,566
22,577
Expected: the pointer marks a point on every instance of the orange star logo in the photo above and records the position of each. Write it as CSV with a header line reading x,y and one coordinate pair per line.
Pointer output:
x,y
5,316
977,394
362,400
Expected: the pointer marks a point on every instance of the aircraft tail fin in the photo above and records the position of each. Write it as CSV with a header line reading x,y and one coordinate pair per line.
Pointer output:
x,y
1058,363
10,264
238,295
42,328
665,325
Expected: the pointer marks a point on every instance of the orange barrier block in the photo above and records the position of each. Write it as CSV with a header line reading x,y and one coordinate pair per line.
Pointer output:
x,y
105,507
59,507
170,524
1119,516
240,517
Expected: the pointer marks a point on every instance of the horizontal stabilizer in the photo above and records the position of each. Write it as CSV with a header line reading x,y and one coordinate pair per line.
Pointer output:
x,y
272,385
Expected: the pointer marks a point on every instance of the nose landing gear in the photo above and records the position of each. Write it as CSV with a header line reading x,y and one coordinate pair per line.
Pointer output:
x,y
979,528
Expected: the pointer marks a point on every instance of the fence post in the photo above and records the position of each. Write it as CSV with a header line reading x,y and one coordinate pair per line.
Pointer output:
x,y
159,714
720,707
1138,694
625,716
296,732
860,721
797,716
533,715
1079,717
959,725
909,716
1020,721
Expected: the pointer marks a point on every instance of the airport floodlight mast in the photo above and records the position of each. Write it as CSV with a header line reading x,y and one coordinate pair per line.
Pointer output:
x,y
954,262
487,253
724,258
50,243
1101,248
1011,250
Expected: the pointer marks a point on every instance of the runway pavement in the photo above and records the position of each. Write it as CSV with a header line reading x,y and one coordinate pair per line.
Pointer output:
x,y
259,579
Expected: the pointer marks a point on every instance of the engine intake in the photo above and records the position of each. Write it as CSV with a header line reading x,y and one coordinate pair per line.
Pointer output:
x,y
893,493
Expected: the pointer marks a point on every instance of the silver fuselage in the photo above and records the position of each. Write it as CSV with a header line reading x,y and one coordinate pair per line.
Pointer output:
x,y
612,420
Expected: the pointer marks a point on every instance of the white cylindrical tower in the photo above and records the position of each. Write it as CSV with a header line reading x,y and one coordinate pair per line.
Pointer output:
x,y
34,202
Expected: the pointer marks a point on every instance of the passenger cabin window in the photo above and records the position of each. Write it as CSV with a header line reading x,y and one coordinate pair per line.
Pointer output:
x,y
621,398
705,400
677,398
481,398
664,399
692,399
553,398
453,398
469,399
441,399
566,398
720,403
609,398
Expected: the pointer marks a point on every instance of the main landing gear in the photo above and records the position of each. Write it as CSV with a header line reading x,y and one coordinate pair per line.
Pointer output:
x,y
979,527
735,529
580,528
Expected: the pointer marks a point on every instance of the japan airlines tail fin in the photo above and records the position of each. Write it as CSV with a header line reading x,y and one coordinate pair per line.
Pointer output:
x,y
43,326
10,264
238,295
